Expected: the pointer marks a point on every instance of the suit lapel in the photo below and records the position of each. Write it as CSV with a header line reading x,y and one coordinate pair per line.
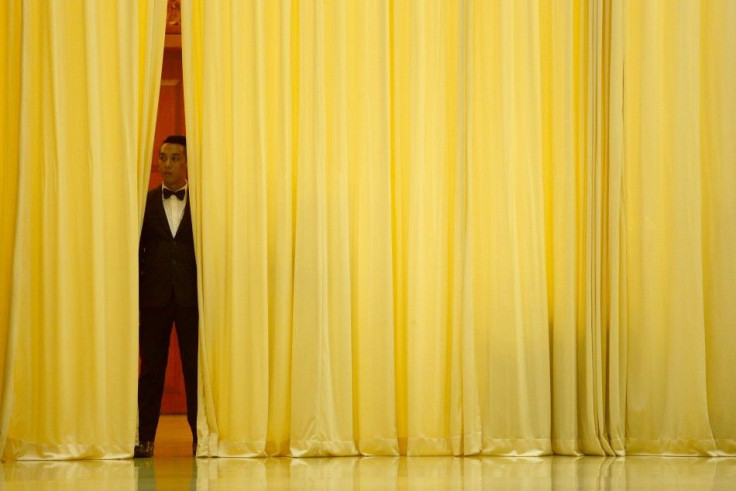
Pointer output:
x,y
185,220
160,213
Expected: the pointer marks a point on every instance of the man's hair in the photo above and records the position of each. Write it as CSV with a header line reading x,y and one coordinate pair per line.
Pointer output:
x,y
177,140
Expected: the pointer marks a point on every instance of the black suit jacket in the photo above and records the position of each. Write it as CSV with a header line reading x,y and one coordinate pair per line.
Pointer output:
x,y
166,263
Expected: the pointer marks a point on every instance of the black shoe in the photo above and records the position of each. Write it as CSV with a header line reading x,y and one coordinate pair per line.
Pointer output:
x,y
143,450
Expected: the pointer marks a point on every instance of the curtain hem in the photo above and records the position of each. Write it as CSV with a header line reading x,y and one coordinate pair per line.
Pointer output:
x,y
684,448
517,447
22,450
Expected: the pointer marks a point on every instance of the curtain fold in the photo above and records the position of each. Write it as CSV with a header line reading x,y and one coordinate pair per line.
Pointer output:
x,y
582,173
10,91
717,118
85,118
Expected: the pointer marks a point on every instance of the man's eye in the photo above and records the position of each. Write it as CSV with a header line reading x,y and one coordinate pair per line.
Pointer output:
x,y
175,158
161,156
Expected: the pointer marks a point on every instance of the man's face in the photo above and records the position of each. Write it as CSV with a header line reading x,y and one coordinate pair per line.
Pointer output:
x,y
172,164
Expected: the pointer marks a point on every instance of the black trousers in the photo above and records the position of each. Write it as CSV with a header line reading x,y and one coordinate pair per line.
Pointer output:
x,y
154,337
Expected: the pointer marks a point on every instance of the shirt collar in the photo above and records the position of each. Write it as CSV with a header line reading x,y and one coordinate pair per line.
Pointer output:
x,y
183,187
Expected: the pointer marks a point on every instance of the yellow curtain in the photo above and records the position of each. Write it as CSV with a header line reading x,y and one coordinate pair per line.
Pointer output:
x,y
78,119
716,119
680,179
10,90
581,67
460,227
436,227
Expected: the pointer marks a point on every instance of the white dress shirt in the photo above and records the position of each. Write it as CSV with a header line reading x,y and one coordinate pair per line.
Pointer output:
x,y
175,208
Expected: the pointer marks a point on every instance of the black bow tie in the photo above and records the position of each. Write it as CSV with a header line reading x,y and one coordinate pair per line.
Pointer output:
x,y
179,194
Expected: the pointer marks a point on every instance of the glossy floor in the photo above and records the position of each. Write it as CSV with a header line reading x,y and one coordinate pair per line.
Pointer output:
x,y
174,469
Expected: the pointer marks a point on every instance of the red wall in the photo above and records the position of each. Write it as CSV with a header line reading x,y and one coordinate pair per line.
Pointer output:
x,y
170,122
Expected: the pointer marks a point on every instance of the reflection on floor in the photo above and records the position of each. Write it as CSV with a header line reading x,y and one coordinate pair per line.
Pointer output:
x,y
173,437
173,468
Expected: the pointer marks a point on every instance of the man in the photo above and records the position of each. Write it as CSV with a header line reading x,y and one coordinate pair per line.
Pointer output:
x,y
168,293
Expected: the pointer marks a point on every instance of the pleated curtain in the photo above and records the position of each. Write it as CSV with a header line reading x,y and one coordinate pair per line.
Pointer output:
x,y
458,227
78,118
463,227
